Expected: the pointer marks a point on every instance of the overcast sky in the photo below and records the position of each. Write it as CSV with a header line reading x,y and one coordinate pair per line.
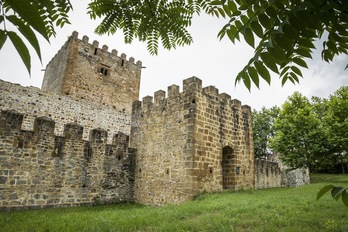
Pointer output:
x,y
215,62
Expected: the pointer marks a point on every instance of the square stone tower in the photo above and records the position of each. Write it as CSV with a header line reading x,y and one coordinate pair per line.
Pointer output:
x,y
192,141
85,71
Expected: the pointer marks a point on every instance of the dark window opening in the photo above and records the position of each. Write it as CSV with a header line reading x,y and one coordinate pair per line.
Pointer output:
x,y
103,71
87,151
58,147
122,63
95,51
19,143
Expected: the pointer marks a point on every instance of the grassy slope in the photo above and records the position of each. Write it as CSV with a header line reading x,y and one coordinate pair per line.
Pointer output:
x,y
279,209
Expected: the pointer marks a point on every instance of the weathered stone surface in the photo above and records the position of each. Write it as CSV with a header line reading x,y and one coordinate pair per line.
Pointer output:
x,y
32,103
85,71
69,144
190,142
272,173
267,174
50,170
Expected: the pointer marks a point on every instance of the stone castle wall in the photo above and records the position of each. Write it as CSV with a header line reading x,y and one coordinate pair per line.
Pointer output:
x,y
39,169
85,71
189,142
273,173
68,143
33,103
267,174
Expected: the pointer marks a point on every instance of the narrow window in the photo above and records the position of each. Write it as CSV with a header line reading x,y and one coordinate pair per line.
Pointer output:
x,y
87,151
101,70
122,63
104,70
95,51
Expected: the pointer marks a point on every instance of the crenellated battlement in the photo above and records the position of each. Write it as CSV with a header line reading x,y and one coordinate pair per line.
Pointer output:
x,y
85,137
40,169
192,88
84,70
93,49
43,128
189,142
33,103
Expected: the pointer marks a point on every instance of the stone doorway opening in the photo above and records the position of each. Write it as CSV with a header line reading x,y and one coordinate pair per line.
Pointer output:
x,y
229,164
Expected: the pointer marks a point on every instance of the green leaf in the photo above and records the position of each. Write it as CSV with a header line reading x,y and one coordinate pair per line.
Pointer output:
x,y
290,31
249,37
345,197
27,32
3,37
285,69
216,3
306,42
300,62
222,12
21,48
297,23
227,10
30,14
263,72
272,12
268,60
293,77
222,33
336,192
277,52
257,29
265,21
324,190
244,19
232,6
296,70
246,80
254,76
284,79
304,52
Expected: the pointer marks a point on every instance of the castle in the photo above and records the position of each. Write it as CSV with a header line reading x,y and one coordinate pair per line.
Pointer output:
x,y
85,137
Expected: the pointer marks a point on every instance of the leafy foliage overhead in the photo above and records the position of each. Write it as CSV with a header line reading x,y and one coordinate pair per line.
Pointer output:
x,y
146,20
285,31
29,16
281,32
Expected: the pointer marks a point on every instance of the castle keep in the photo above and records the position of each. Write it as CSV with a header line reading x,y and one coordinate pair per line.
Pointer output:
x,y
85,137
192,141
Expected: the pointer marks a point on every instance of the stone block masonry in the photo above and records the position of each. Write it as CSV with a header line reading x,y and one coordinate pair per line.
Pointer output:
x,y
39,169
192,141
33,103
84,71
69,143
267,174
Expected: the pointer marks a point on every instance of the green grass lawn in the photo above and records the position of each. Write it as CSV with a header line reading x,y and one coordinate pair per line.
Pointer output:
x,y
278,209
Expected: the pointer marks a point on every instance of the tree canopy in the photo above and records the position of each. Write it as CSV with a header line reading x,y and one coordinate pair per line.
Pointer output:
x,y
263,130
281,32
307,133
